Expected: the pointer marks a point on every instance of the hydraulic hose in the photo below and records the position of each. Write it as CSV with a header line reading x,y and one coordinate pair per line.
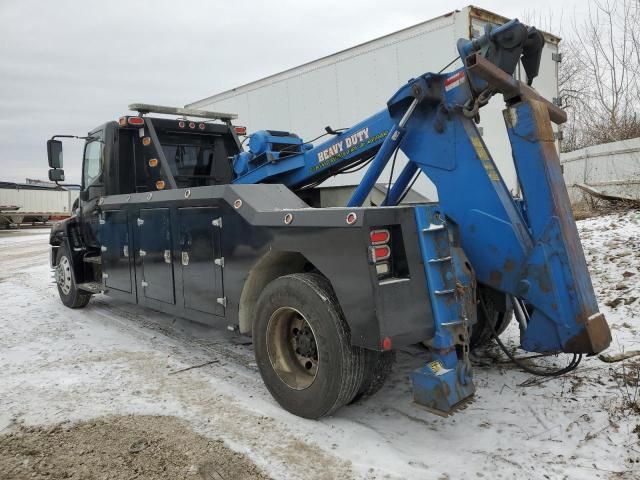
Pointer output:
x,y
575,361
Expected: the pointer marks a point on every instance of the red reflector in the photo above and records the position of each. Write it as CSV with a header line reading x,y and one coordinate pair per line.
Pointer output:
x,y
240,130
380,236
192,125
201,126
381,253
386,343
136,121
181,124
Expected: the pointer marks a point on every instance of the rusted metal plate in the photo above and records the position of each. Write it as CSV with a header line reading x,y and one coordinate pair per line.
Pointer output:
x,y
509,86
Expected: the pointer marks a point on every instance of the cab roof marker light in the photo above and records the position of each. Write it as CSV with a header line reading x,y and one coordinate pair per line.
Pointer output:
x,y
137,121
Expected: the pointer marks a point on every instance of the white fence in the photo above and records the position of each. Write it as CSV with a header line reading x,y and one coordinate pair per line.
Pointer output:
x,y
611,168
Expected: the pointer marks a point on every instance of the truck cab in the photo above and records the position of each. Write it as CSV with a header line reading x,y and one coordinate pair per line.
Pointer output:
x,y
119,160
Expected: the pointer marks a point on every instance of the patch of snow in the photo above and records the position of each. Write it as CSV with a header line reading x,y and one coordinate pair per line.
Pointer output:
x,y
59,364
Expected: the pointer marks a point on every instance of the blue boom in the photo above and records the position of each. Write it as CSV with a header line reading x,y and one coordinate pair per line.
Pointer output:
x,y
529,249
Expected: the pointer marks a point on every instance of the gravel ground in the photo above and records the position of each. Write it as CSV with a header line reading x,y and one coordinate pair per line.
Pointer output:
x,y
120,448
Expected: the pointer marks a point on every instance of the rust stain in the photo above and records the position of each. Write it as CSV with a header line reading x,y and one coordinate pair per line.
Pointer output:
x,y
540,274
495,278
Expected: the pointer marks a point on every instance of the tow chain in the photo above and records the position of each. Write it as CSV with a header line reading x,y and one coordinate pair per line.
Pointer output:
x,y
473,105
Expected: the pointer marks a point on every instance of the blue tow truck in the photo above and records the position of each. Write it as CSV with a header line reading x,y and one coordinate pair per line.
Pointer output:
x,y
177,215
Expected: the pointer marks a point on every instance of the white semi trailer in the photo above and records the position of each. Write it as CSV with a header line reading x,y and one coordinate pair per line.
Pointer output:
x,y
21,203
345,87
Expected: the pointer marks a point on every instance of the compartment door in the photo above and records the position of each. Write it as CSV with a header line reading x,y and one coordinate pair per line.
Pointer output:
x,y
154,251
116,262
200,258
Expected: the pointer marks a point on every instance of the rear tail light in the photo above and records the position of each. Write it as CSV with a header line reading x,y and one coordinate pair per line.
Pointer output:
x,y
181,124
379,237
192,125
201,126
380,251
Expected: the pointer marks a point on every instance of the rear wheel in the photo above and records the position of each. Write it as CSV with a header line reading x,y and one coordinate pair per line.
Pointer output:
x,y
378,366
303,347
69,294
481,331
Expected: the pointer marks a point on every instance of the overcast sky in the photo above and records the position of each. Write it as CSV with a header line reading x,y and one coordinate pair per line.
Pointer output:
x,y
68,66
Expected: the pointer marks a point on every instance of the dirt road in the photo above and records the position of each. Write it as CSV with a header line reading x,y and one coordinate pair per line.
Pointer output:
x,y
113,361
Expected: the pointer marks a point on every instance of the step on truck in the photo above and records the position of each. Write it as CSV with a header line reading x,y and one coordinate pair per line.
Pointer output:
x,y
176,214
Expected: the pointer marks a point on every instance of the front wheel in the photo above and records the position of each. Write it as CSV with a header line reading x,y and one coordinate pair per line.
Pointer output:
x,y
69,294
303,346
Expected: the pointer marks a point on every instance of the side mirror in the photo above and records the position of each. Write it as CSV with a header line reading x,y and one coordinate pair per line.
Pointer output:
x,y
56,175
54,152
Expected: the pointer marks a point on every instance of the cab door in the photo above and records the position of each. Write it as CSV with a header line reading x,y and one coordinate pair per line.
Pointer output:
x,y
116,262
199,255
92,186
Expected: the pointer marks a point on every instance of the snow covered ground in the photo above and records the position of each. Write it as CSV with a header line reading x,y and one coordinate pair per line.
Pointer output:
x,y
58,364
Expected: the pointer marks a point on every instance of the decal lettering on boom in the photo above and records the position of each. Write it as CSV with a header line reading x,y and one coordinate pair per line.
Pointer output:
x,y
350,141
345,147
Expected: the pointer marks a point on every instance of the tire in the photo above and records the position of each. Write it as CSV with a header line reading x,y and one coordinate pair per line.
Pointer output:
x,y
378,366
303,346
481,332
69,294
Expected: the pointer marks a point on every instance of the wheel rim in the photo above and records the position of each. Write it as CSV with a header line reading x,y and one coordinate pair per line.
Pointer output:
x,y
292,348
63,275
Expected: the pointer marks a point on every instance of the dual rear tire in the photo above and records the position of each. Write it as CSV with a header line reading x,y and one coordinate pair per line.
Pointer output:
x,y
303,348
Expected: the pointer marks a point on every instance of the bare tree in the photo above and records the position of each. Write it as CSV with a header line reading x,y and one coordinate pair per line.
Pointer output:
x,y
602,60
598,77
